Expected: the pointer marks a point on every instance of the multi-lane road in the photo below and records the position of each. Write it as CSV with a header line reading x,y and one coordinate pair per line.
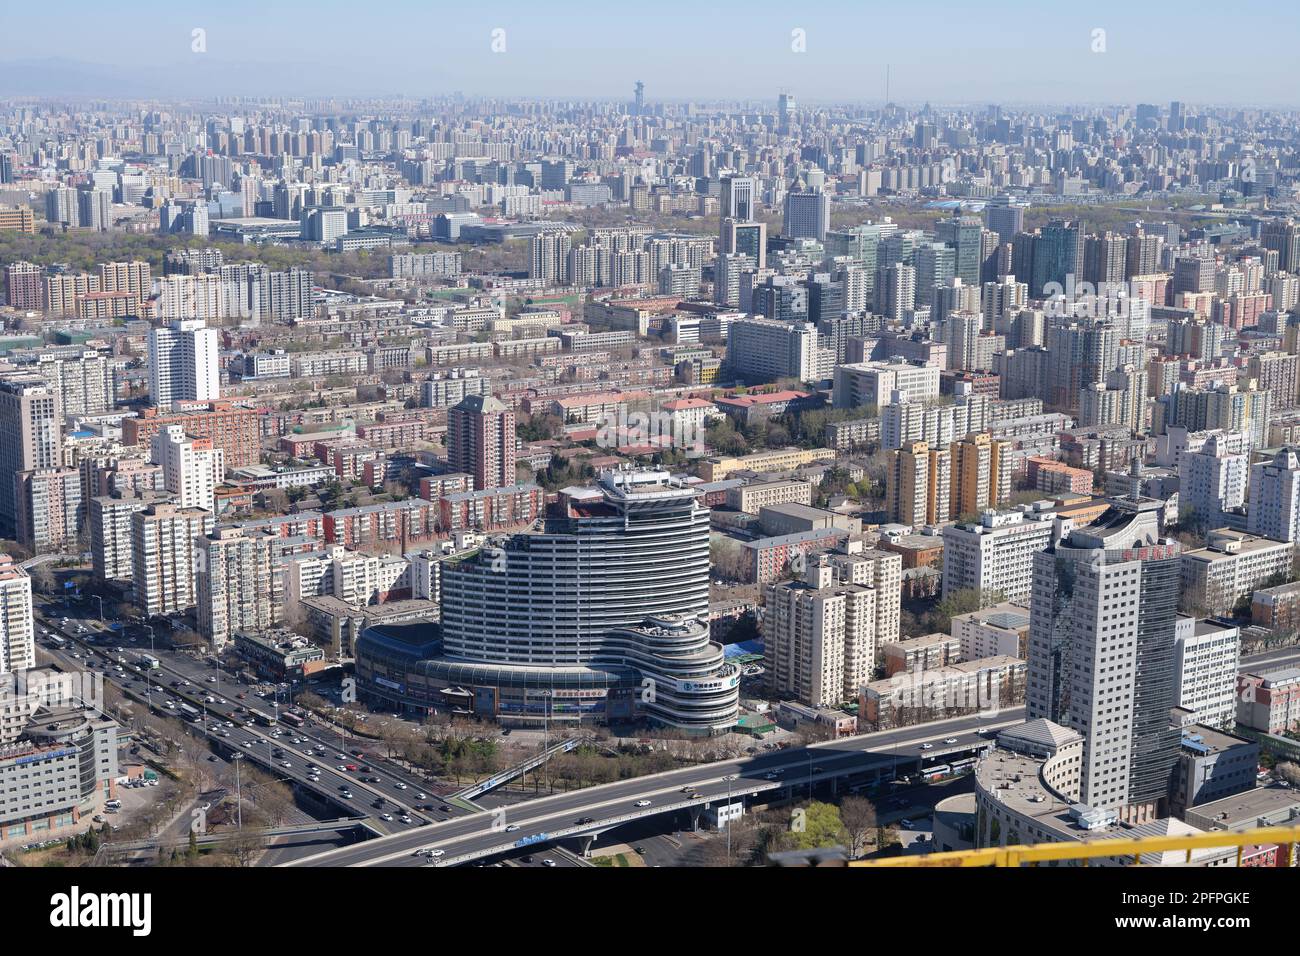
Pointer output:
x,y
591,811
299,754
293,754
585,812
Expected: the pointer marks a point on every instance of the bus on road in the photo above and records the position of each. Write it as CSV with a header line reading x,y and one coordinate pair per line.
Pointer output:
x,y
293,720
189,711
266,720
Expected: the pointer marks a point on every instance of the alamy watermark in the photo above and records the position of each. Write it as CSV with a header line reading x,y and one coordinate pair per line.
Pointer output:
x,y
49,688
926,690
1087,300
655,430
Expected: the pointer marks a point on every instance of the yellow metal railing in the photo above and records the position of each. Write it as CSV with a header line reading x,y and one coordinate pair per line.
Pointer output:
x,y
1033,854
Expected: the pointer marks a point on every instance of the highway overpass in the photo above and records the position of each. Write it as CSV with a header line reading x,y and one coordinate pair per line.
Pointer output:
x,y
781,773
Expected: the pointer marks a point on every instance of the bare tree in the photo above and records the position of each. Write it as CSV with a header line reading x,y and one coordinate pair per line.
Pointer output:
x,y
1290,772
859,817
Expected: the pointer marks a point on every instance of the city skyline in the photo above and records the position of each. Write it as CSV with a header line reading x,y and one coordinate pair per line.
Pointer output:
x,y
782,437
1061,56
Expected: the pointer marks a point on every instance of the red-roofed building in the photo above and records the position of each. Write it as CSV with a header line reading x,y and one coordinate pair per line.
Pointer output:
x,y
747,409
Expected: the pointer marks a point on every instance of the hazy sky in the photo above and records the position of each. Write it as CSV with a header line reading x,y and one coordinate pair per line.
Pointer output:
x,y
1011,51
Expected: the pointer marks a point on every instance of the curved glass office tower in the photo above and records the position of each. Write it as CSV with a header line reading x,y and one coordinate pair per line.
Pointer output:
x,y
602,612
634,546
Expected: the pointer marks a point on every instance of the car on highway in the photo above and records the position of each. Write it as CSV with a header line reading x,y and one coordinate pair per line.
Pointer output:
x,y
512,828
950,740
927,746
405,818
445,808
641,803
399,785
387,817
548,863
905,824
420,795
286,765
771,775
583,821
346,794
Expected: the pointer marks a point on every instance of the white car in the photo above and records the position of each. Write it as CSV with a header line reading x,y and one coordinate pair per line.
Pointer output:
x,y
512,828
437,853
285,764
950,740
927,746
399,785
641,803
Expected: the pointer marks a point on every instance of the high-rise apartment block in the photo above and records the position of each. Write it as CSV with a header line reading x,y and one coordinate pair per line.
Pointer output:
x,y
163,556
192,467
183,363
819,637
17,627
481,441
31,437
1102,654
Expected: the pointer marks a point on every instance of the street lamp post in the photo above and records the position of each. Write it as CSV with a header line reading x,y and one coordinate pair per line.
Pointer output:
x,y
730,777
101,608
148,677
546,733
239,793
